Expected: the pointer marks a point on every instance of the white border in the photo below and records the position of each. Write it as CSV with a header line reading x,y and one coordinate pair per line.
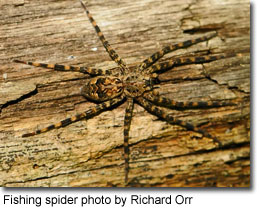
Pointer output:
x,y
202,198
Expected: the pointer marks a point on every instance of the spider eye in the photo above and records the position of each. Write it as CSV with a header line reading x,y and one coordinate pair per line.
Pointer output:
x,y
156,81
148,82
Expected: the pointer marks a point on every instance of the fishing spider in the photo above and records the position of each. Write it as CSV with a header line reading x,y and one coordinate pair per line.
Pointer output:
x,y
109,88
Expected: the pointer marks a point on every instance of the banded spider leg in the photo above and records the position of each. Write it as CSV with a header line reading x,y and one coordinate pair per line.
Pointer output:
x,y
109,88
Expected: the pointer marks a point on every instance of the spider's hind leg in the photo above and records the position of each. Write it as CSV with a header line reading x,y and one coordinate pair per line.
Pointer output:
x,y
57,67
87,114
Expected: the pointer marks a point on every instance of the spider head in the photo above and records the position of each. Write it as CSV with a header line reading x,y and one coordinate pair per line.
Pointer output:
x,y
136,84
102,88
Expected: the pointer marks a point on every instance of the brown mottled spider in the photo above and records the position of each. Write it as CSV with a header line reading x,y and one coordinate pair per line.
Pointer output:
x,y
109,88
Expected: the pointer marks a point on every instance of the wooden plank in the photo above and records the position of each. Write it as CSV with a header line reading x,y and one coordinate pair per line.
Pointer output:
x,y
90,153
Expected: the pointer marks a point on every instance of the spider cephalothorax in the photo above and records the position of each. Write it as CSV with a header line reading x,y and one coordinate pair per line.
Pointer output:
x,y
136,83
109,88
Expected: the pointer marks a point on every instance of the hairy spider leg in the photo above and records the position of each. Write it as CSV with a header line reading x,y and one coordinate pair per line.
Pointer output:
x,y
163,115
114,56
170,103
87,114
183,61
127,123
57,67
157,55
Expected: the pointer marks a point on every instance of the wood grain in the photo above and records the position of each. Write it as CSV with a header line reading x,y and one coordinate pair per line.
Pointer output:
x,y
90,153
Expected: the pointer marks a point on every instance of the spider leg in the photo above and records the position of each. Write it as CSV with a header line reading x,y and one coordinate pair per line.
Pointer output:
x,y
114,56
183,61
127,123
163,115
87,114
156,56
170,103
57,67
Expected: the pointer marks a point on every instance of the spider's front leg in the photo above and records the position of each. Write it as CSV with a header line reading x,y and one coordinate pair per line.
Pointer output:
x,y
114,56
163,115
57,67
127,123
170,103
87,114
156,56
183,61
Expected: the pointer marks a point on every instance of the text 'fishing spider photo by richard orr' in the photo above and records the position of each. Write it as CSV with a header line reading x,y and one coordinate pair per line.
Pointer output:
x,y
125,94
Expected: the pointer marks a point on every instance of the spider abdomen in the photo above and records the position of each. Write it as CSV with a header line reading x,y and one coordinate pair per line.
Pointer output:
x,y
102,88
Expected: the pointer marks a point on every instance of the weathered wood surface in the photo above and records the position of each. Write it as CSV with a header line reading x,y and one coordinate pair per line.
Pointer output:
x,y
90,153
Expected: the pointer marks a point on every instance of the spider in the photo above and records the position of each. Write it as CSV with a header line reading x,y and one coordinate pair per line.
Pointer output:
x,y
108,88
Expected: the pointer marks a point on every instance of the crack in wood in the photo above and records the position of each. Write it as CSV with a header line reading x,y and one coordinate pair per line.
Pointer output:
x,y
16,101
36,26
